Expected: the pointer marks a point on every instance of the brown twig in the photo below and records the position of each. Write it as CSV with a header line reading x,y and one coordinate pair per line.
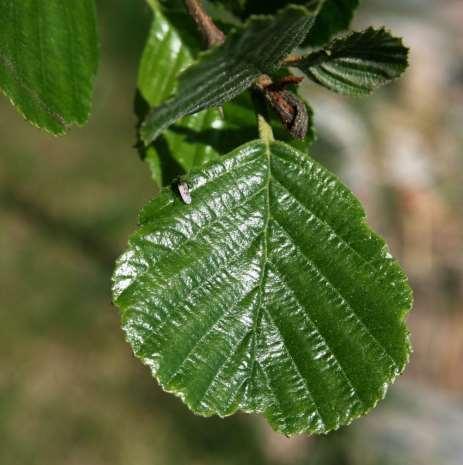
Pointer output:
x,y
211,33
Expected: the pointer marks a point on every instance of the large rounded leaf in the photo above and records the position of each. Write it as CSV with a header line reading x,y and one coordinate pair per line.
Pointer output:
x,y
48,60
268,293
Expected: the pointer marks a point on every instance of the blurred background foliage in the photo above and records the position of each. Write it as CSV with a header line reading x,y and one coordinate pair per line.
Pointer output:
x,y
71,391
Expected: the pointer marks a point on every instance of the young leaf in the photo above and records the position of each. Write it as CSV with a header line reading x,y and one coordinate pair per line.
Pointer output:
x,y
48,60
227,71
358,63
334,16
268,293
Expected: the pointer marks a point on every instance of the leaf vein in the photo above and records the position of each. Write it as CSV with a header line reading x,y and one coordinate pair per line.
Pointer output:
x,y
208,331
345,302
309,319
296,368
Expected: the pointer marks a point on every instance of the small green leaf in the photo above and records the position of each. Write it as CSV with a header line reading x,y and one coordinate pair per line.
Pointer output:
x,y
334,16
48,60
268,293
226,71
358,63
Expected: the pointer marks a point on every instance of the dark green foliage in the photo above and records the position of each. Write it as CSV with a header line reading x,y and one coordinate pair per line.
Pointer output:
x,y
358,63
334,17
227,71
48,60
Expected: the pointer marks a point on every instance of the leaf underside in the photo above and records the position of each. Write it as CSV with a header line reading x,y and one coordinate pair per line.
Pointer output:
x,y
358,63
48,60
269,293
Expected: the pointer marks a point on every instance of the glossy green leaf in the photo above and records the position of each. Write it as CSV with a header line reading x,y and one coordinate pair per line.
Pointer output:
x,y
358,63
48,60
335,16
268,293
170,48
228,70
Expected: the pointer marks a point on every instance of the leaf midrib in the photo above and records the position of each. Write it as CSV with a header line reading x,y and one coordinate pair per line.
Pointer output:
x,y
264,263
261,307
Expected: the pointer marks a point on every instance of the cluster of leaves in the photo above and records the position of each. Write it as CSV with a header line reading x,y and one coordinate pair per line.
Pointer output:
x,y
268,293
265,291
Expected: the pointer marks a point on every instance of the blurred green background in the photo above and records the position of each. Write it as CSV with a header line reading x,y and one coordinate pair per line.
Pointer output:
x,y
70,390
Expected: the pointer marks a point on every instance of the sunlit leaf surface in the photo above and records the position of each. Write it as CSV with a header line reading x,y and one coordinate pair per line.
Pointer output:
x,y
268,293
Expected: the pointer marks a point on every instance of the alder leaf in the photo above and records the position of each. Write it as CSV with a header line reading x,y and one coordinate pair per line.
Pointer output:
x,y
226,71
268,293
358,63
48,60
